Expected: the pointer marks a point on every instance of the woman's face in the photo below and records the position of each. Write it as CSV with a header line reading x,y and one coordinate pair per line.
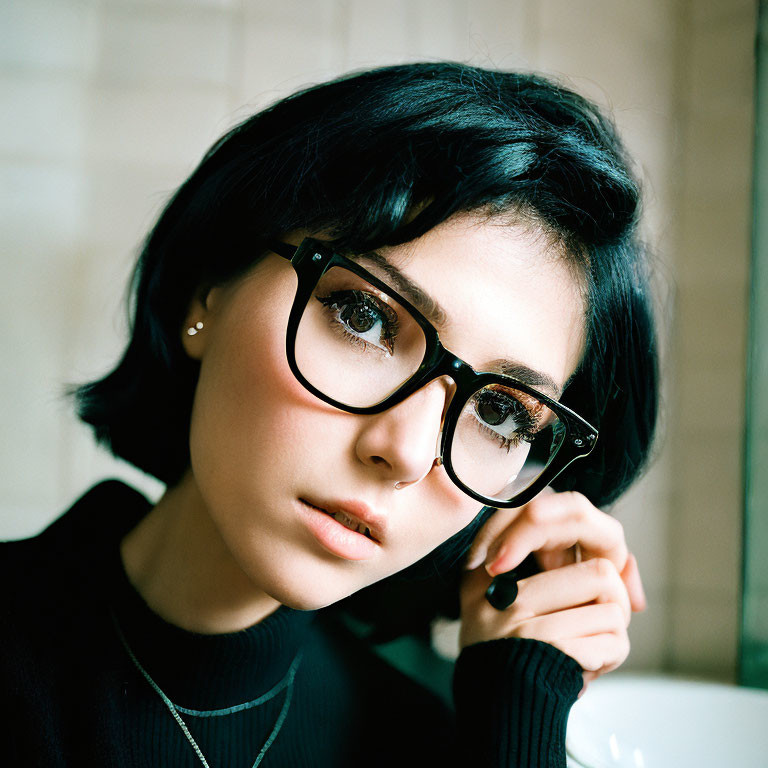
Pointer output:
x,y
269,460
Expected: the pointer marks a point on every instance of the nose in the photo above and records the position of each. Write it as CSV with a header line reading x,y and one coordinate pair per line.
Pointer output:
x,y
401,443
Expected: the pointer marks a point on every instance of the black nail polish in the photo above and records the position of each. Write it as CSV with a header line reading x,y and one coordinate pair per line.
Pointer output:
x,y
502,591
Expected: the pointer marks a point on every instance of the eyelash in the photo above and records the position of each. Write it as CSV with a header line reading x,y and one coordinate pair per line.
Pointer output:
x,y
526,433
525,436
389,319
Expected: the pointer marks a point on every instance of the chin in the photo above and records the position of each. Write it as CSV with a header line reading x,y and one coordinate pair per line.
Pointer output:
x,y
303,604
300,598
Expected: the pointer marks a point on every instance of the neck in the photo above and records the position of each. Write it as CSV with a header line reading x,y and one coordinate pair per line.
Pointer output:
x,y
177,561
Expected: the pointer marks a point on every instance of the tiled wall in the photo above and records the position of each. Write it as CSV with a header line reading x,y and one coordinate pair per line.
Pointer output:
x,y
107,106
713,230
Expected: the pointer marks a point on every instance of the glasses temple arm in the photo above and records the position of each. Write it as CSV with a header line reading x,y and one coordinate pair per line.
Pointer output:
x,y
285,250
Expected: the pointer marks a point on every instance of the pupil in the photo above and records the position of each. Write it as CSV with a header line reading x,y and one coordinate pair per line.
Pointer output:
x,y
359,318
492,410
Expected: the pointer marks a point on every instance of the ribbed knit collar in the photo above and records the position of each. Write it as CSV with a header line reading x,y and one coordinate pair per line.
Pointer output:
x,y
194,670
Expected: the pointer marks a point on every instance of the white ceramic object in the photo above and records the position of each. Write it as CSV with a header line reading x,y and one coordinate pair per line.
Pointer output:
x,y
637,721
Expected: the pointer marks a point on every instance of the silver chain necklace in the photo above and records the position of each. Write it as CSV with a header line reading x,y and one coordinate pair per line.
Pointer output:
x,y
286,682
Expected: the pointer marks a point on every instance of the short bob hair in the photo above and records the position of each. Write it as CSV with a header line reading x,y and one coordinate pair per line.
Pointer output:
x,y
379,158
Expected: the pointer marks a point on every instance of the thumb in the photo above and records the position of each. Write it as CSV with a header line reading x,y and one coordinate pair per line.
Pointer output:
x,y
474,583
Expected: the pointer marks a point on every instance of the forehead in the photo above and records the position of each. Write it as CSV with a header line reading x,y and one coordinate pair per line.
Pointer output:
x,y
496,292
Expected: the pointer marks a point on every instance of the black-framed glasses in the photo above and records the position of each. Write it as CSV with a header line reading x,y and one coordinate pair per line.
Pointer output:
x,y
358,345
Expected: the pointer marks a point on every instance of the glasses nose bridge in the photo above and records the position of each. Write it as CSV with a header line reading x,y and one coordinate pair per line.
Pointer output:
x,y
461,374
447,364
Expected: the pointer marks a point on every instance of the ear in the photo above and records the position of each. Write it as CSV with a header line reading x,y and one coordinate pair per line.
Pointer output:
x,y
198,323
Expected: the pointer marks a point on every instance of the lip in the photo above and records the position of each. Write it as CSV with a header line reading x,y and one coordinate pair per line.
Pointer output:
x,y
357,510
336,537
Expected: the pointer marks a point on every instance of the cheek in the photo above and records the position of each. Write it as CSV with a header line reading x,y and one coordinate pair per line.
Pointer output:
x,y
443,511
249,411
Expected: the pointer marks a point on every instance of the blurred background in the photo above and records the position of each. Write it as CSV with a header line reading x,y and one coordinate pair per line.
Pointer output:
x,y
107,105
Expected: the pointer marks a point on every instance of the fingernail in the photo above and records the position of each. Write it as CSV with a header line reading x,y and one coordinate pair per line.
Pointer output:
x,y
639,580
642,591
492,561
492,555
472,562
643,598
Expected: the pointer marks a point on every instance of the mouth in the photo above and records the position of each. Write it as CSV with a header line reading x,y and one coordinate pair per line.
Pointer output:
x,y
348,520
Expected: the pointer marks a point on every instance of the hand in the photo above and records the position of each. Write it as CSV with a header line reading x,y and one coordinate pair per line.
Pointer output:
x,y
581,608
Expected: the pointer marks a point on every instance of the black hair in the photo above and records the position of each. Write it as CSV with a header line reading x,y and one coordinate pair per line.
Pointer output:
x,y
378,158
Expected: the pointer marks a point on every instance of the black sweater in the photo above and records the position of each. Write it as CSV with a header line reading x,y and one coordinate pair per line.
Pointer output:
x,y
72,695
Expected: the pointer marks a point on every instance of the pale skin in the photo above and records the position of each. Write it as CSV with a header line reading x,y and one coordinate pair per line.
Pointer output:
x,y
582,608
228,544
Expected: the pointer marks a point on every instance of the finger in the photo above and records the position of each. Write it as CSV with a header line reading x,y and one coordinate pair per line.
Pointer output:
x,y
474,583
597,653
492,530
557,522
590,583
556,558
634,584
584,621
588,678
595,580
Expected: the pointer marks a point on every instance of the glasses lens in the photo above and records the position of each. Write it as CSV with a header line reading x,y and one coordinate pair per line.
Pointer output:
x,y
503,441
354,343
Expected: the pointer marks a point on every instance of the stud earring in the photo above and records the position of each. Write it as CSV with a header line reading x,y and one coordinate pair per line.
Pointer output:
x,y
193,330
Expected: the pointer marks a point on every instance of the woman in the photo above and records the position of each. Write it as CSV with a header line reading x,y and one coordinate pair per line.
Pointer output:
x,y
377,321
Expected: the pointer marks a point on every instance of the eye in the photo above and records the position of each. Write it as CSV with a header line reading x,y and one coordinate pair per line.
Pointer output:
x,y
363,318
360,317
492,407
504,417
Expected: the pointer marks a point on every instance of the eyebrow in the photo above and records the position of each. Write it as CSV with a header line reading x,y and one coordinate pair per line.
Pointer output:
x,y
527,375
428,306
436,315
